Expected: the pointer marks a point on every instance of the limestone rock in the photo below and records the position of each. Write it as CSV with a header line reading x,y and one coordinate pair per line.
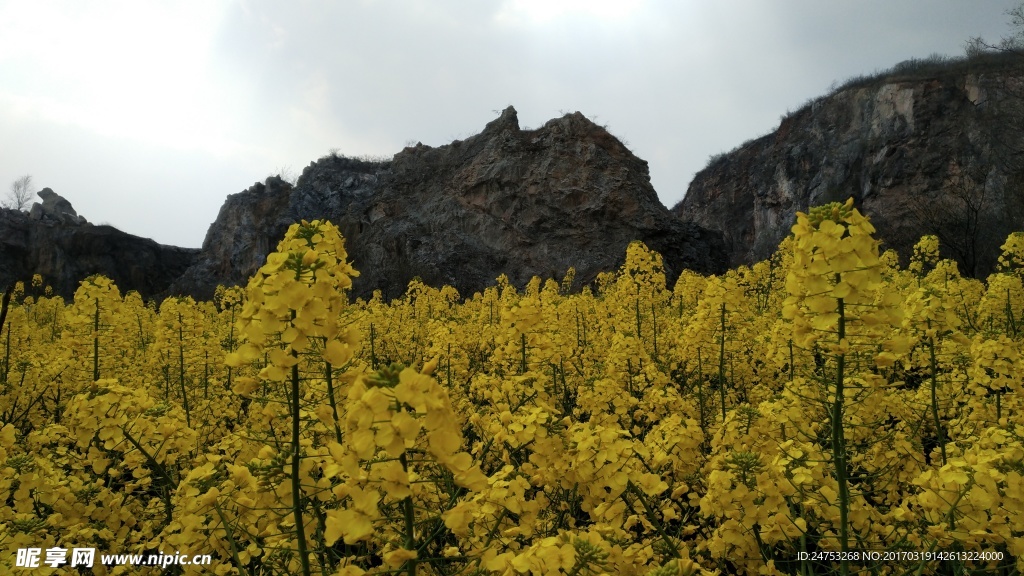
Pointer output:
x,y
935,154
507,200
55,207
65,253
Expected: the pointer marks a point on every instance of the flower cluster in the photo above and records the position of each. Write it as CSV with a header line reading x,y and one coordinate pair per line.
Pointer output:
x,y
824,400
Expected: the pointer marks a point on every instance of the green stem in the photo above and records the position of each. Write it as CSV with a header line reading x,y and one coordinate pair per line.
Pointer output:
x,y
1011,323
721,364
206,373
629,370
654,323
181,371
651,517
639,335
935,402
584,329
791,367
96,343
231,343
329,376
522,366
230,536
373,347
579,338
142,333
318,536
705,447
300,530
7,355
805,565
839,447
5,302
407,508
168,481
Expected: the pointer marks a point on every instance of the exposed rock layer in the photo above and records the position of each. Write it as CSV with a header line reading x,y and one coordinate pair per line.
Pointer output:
x,y
65,253
520,202
932,155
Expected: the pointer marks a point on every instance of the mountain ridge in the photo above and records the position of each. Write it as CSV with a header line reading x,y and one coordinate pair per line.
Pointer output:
x,y
520,202
927,149
64,254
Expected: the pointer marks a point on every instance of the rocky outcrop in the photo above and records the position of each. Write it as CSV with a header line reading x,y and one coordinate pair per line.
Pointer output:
x,y
513,201
55,208
937,151
65,253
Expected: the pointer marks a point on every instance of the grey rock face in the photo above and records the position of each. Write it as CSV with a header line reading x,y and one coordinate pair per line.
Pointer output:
x,y
935,155
55,207
65,253
506,200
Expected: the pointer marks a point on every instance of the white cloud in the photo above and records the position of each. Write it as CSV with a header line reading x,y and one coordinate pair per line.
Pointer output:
x,y
147,113
544,11
135,70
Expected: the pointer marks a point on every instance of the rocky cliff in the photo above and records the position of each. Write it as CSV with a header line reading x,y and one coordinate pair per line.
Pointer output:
x,y
507,200
65,253
929,148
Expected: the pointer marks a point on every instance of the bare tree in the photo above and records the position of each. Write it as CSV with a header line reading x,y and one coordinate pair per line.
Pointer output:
x,y
971,218
1012,44
20,196
976,201
285,173
963,219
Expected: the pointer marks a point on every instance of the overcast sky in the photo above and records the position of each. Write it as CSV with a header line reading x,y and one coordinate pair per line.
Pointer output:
x,y
146,115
